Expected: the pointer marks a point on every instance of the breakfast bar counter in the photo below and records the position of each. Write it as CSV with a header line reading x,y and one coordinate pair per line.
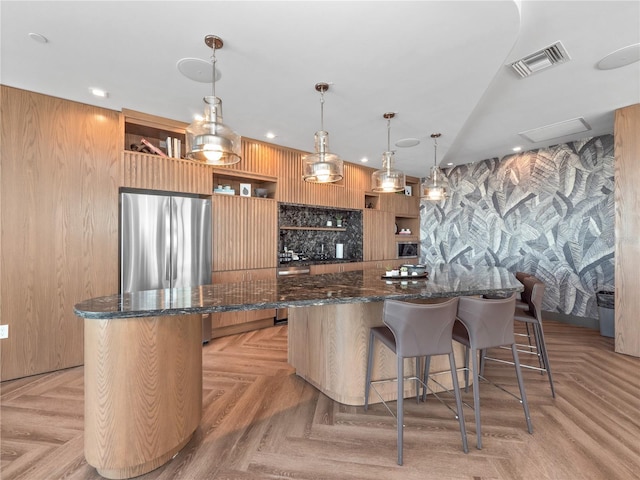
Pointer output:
x,y
360,286
143,361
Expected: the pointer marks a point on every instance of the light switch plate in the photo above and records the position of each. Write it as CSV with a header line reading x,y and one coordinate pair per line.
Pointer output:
x,y
4,331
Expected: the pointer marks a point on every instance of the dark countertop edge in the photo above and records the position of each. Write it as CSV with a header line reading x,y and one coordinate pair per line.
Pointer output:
x,y
113,315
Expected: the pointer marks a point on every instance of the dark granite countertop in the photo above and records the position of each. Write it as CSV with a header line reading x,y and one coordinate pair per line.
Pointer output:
x,y
300,291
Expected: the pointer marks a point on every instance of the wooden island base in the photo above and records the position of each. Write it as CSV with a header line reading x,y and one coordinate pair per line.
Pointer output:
x,y
143,391
328,346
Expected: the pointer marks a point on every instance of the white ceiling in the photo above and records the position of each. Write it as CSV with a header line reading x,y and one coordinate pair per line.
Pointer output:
x,y
441,65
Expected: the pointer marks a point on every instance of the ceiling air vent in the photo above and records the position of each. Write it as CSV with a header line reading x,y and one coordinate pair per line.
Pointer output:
x,y
545,58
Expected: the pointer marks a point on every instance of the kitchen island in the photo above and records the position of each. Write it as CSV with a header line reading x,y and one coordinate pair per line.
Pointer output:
x,y
143,363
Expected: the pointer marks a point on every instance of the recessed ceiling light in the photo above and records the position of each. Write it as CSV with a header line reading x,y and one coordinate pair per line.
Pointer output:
x,y
364,159
516,149
450,164
98,92
407,142
621,57
38,38
270,135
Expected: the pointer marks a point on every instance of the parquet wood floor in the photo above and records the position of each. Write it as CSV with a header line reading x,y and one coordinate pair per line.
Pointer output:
x,y
260,421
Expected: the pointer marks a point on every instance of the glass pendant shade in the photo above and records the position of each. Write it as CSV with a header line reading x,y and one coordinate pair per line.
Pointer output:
x,y
322,166
388,179
435,186
209,140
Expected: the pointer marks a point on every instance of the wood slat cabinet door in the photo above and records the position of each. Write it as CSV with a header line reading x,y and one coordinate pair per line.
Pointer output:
x,y
376,264
153,172
229,234
226,319
245,232
324,268
403,204
378,235
260,274
262,233
335,268
229,323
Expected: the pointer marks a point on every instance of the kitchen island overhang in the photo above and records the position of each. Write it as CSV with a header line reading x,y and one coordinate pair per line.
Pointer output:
x,y
143,362
360,286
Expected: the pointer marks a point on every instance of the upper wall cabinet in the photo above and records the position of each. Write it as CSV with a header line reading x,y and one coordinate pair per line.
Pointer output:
x,y
405,203
151,157
245,233
148,171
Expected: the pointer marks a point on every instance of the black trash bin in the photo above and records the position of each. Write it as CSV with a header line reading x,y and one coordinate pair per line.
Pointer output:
x,y
606,302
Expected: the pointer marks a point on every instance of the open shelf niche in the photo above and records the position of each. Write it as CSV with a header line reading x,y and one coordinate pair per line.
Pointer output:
x,y
410,222
157,131
245,184
304,229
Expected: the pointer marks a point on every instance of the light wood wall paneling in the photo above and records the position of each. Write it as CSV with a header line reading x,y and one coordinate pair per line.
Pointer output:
x,y
291,186
627,205
259,157
59,240
142,170
360,182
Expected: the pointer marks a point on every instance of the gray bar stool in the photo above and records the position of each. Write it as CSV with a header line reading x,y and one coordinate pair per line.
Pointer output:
x,y
414,331
523,301
531,314
487,323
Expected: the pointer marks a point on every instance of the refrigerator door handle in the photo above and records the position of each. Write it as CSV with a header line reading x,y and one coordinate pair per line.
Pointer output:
x,y
168,248
174,241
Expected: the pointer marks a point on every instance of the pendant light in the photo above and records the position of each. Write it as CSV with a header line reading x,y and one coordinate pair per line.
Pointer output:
x,y
388,179
434,187
209,140
322,166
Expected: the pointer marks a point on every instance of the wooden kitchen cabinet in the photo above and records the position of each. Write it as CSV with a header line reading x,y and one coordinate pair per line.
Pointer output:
x,y
245,233
378,235
244,249
335,268
376,264
229,323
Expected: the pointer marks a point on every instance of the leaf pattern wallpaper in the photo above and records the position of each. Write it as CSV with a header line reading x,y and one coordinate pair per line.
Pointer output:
x,y
549,212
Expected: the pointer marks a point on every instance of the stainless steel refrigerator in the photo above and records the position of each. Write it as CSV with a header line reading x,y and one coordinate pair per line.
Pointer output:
x,y
165,242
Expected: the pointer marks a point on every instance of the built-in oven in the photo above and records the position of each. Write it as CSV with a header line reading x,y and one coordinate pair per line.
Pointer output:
x,y
408,249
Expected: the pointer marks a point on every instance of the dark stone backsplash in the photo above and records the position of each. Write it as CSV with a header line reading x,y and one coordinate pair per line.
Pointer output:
x,y
310,242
